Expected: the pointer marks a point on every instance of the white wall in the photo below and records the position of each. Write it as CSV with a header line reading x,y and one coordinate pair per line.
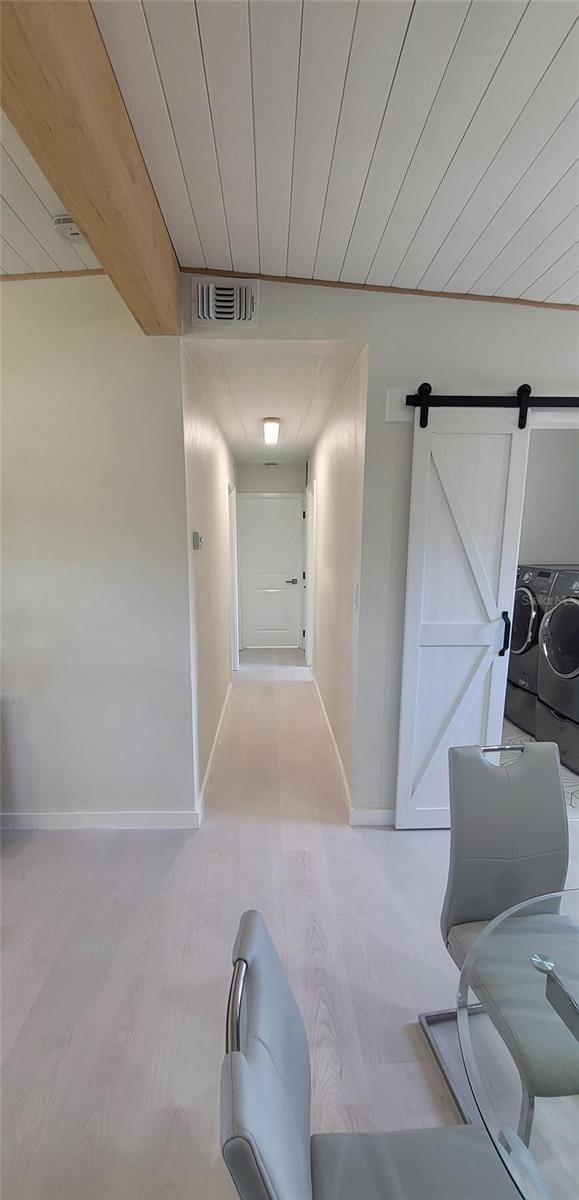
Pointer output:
x,y
337,466
550,532
256,477
209,471
96,682
456,345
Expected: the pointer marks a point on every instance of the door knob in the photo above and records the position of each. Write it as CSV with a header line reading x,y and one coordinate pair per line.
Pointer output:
x,y
291,580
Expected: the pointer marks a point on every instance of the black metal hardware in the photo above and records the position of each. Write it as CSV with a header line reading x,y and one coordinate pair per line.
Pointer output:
x,y
303,574
291,580
523,400
506,635
523,393
424,394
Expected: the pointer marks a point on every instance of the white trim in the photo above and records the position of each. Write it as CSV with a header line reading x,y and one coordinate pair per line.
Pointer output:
x,y
345,785
181,819
397,410
249,646
310,562
553,418
234,581
373,817
203,789
242,498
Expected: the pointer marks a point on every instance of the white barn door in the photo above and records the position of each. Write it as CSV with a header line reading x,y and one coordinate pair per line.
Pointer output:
x,y
468,483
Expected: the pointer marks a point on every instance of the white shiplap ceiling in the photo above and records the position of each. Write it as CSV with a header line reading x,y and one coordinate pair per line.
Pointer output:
x,y
429,145
245,381
28,241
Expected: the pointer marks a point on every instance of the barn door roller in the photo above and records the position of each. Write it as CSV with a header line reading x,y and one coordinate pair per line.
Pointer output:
x,y
424,400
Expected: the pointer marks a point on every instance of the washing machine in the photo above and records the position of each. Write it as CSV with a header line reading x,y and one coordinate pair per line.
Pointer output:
x,y
558,677
532,592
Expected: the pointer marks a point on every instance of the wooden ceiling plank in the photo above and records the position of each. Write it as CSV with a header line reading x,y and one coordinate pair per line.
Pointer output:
x,y
378,40
561,200
21,197
126,36
567,292
224,29
12,262
23,241
327,31
175,39
550,280
533,91
541,185
540,259
22,158
275,52
482,43
59,91
465,186
430,41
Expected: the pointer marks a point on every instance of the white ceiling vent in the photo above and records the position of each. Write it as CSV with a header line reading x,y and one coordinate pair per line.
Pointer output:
x,y
225,301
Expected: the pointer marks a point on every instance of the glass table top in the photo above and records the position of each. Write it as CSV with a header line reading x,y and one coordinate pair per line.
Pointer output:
x,y
518,1027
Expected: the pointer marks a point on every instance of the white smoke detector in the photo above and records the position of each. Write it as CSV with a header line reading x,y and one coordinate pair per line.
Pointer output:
x,y
224,301
68,228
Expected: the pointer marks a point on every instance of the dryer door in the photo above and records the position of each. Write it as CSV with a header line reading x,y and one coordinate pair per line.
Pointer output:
x,y
559,638
525,621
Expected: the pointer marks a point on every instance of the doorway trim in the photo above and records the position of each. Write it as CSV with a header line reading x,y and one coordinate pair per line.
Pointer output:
x,y
310,581
241,496
234,578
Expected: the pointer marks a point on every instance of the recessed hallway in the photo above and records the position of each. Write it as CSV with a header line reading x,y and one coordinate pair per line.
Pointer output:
x,y
117,964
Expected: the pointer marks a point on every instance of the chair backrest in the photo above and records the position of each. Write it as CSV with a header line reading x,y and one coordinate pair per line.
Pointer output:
x,y
265,1084
509,838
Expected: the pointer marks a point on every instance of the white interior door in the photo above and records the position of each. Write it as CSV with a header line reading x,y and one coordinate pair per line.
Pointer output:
x,y
270,529
468,484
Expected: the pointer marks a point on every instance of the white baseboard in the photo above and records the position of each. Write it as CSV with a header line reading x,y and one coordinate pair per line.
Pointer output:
x,y
345,785
182,819
356,816
205,784
377,817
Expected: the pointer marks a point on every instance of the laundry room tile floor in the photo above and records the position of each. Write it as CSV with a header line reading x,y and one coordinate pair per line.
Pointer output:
x,y
513,736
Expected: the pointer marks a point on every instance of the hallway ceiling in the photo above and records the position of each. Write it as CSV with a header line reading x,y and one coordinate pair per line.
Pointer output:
x,y
246,381
428,145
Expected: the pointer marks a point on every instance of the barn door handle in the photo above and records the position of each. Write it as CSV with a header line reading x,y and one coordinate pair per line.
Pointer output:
x,y
291,580
506,634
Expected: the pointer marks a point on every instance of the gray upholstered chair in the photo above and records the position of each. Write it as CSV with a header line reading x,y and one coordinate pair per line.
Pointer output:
x,y
265,1111
508,843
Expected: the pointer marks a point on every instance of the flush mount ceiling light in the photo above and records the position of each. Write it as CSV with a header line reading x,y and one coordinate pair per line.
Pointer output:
x,y
271,430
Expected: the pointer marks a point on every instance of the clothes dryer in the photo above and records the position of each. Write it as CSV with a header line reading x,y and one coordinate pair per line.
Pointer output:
x,y
533,588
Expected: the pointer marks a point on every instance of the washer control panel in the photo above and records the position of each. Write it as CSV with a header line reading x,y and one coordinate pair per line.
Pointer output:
x,y
566,584
539,580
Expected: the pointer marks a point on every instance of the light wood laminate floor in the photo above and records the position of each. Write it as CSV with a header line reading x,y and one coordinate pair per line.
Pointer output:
x,y
116,964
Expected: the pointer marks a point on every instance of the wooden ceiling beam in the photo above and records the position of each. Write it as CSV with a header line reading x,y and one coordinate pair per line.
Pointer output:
x,y
59,90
